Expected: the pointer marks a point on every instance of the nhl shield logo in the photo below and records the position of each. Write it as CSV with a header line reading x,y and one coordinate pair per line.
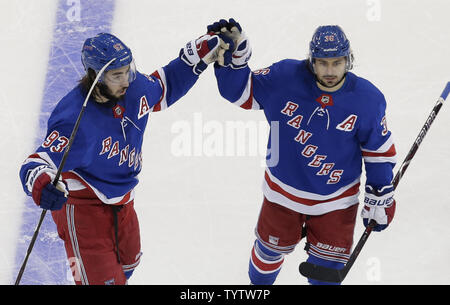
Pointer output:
x,y
118,111
325,100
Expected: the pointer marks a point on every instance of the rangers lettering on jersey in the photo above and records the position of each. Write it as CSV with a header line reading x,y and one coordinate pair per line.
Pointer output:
x,y
290,108
106,155
303,136
125,153
323,137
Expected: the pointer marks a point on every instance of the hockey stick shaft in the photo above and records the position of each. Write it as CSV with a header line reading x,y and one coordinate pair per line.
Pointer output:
x,y
421,136
403,167
77,123
322,273
59,171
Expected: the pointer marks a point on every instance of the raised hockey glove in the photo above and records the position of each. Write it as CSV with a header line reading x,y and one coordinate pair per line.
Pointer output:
x,y
241,50
379,205
200,52
44,193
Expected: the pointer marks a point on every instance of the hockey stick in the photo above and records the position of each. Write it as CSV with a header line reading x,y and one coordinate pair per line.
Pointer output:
x,y
325,274
60,168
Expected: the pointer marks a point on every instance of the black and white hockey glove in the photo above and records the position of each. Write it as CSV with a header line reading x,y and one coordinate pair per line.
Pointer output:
x,y
231,32
200,52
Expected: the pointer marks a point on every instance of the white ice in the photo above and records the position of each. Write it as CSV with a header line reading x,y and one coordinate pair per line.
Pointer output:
x,y
198,213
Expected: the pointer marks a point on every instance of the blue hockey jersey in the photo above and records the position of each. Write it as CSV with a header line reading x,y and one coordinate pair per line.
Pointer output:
x,y
317,139
106,156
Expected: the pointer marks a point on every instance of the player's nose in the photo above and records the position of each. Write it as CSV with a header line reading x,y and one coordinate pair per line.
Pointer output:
x,y
330,70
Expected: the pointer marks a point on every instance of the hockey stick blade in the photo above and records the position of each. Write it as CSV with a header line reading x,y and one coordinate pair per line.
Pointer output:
x,y
321,273
324,274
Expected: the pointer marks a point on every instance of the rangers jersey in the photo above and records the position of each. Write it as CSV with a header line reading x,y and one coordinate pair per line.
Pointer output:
x,y
106,156
318,139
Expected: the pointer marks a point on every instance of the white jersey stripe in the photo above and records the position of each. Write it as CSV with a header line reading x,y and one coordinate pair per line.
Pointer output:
x,y
247,95
163,80
317,209
309,195
330,203
80,271
103,198
384,147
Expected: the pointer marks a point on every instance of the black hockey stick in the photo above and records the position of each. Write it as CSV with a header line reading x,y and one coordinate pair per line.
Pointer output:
x,y
325,274
60,168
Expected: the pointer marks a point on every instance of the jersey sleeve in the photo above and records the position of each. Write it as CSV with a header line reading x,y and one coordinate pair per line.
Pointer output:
x,y
377,144
244,88
49,154
174,81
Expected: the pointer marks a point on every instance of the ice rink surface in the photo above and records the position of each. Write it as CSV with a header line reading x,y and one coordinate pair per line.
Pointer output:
x,y
198,210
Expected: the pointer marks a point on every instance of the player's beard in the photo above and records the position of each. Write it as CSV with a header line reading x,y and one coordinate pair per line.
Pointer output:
x,y
109,95
323,83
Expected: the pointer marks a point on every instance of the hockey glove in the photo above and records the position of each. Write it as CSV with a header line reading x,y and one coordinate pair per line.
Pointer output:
x,y
44,193
379,205
199,53
241,49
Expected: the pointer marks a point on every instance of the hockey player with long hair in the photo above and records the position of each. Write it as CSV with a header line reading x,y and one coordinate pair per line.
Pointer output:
x,y
92,204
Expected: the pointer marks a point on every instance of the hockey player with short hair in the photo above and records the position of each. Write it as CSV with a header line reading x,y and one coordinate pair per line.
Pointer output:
x,y
329,121
93,202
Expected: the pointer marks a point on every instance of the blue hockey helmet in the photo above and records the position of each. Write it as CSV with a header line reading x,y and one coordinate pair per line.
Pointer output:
x,y
99,50
330,41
